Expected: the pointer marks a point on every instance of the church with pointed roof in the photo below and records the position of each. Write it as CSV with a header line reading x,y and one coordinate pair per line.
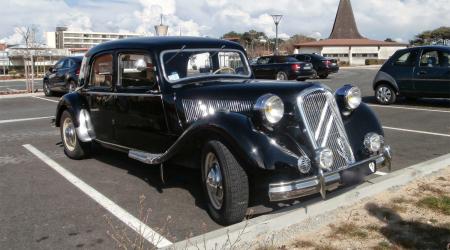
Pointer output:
x,y
346,44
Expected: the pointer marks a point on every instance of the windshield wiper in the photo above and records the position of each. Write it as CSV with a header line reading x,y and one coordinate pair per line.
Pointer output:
x,y
176,54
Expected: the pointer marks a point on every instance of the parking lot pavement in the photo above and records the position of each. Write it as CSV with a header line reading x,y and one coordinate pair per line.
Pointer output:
x,y
40,208
15,85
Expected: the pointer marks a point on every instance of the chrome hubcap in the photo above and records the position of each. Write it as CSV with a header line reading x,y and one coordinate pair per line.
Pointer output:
x,y
281,76
384,94
69,134
71,87
214,184
46,88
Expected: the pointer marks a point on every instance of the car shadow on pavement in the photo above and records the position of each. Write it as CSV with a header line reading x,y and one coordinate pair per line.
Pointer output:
x,y
421,102
409,234
174,176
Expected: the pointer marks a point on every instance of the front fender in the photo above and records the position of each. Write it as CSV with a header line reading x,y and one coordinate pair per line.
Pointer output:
x,y
362,121
385,77
252,147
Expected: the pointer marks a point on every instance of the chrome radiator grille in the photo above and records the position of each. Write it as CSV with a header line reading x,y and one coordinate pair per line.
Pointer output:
x,y
324,125
195,109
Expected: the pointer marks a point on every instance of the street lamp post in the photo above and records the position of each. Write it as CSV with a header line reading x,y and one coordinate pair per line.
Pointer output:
x,y
276,20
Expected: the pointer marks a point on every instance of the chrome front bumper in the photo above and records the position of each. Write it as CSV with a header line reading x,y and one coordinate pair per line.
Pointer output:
x,y
324,182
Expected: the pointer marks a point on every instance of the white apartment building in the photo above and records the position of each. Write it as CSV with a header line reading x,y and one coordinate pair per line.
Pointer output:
x,y
62,38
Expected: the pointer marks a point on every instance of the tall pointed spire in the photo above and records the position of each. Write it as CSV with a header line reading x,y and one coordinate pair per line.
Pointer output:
x,y
344,25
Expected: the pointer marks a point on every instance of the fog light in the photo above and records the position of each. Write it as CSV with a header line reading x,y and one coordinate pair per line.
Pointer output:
x,y
304,164
373,142
325,158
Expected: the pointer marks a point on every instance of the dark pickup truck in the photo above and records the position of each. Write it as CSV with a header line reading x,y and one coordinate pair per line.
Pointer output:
x,y
282,68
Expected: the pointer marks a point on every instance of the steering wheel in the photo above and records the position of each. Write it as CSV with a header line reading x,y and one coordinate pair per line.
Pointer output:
x,y
231,70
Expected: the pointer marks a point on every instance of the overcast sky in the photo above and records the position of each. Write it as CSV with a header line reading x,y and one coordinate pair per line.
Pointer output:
x,y
376,19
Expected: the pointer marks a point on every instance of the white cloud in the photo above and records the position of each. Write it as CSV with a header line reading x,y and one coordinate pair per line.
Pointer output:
x,y
377,19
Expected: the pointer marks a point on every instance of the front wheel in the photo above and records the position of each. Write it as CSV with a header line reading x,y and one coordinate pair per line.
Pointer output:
x,y
73,147
385,94
46,88
225,183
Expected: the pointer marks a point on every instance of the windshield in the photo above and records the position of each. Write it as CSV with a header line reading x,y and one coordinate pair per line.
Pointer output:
x,y
197,63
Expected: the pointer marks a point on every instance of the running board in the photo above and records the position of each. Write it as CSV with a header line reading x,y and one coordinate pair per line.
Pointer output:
x,y
145,157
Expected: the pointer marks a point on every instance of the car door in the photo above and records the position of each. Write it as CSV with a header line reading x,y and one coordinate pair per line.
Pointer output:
x,y
139,120
432,75
260,68
61,74
53,77
402,70
99,93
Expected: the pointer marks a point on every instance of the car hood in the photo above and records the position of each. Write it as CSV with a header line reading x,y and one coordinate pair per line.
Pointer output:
x,y
198,99
241,90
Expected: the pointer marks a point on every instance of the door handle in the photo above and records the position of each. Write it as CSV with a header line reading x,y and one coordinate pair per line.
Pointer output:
x,y
422,73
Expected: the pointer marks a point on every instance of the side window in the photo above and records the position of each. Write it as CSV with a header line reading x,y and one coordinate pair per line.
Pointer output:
x,y
59,64
406,59
445,58
136,70
263,60
301,58
429,59
66,64
102,71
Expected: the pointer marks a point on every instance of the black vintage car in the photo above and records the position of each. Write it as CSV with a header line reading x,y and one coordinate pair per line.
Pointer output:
x,y
282,68
322,65
194,102
62,77
414,72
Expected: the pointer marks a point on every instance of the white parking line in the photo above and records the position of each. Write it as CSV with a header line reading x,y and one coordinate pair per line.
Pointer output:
x,y
417,131
408,108
380,173
131,221
42,98
26,119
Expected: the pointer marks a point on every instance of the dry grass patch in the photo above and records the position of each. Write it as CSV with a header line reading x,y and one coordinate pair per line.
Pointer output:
x,y
438,204
347,230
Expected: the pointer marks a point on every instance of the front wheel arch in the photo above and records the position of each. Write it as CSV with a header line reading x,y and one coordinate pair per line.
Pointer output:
x,y
393,86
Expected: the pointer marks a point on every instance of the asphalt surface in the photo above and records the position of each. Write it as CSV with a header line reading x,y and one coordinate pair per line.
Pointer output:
x,y
17,85
40,209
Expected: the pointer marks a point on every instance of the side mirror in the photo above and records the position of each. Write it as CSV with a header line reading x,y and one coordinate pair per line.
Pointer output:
x,y
50,69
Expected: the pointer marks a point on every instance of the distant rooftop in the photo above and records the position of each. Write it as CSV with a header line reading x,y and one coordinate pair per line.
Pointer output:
x,y
349,42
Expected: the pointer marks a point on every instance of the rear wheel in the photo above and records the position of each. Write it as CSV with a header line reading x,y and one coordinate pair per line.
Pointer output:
x,y
71,86
46,88
225,183
73,147
385,94
282,76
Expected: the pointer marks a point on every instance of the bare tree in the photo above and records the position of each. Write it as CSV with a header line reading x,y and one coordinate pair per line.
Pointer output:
x,y
29,37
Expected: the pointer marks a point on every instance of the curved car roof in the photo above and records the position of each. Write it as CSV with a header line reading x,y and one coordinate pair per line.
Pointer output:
x,y
164,43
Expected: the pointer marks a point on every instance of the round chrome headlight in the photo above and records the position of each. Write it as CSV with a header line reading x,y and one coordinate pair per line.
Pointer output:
x,y
373,142
353,98
271,108
325,158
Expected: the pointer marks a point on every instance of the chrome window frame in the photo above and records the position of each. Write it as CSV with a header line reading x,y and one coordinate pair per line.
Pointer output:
x,y
243,57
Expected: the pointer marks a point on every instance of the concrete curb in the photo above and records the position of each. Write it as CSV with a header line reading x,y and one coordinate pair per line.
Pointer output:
x,y
275,226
